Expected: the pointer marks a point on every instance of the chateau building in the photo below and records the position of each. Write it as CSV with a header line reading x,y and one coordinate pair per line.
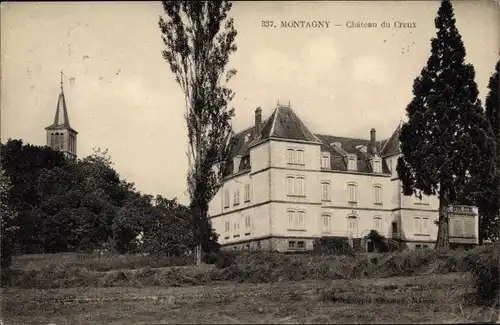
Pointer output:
x,y
60,135
287,186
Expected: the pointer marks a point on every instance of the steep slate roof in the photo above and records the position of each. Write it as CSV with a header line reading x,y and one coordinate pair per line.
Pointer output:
x,y
338,157
391,145
61,119
285,124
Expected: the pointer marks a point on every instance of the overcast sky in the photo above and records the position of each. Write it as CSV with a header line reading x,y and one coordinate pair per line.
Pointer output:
x,y
122,96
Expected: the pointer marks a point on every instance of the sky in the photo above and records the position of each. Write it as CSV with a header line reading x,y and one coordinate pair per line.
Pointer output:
x,y
122,96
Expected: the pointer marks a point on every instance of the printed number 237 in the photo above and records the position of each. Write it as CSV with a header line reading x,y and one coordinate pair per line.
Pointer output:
x,y
267,23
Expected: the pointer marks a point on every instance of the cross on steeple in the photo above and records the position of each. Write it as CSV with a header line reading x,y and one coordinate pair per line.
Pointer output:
x,y
62,73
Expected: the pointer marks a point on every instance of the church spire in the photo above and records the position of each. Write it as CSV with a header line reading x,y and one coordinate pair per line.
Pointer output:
x,y
60,135
61,118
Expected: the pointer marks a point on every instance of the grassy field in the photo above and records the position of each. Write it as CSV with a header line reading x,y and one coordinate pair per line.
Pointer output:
x,y
151,295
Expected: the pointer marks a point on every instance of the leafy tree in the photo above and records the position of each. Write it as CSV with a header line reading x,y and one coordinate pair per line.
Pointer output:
x,y
490,207
447,141
199,38
23,164
168,232
7,220
130,221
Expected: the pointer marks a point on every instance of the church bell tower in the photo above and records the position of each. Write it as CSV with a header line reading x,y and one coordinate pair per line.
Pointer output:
x,y
60,135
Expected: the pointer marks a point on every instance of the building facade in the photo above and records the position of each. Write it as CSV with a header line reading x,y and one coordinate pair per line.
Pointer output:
x,y
60,135
287,186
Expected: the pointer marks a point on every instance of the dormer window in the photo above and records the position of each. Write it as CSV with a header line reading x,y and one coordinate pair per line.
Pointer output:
x,y
325,160
352,163
236,164
376,165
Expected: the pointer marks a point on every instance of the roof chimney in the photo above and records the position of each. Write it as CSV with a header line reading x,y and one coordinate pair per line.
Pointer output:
x,y
373,135
258,120
373,140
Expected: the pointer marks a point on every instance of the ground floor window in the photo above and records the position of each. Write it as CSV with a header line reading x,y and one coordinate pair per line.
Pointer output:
x,y
301,244
291,244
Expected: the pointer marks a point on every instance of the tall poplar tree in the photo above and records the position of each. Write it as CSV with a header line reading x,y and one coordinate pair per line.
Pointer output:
x,y
199,38
447,140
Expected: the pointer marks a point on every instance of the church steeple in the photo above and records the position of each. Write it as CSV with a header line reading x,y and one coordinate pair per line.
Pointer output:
x,y
60,135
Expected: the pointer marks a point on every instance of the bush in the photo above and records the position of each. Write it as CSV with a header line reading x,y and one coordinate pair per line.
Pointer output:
x,y
484,266
382,244
225,259
209,258
333,246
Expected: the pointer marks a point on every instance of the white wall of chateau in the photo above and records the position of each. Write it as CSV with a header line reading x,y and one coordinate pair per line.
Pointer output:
x,y
259,224
269,201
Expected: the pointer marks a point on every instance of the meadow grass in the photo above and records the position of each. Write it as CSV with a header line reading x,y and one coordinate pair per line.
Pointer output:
x,y
251,287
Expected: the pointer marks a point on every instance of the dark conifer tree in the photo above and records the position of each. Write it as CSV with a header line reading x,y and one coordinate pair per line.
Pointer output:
x,y
490,205
447,140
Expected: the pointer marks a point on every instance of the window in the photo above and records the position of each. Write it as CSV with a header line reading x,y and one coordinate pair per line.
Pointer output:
x,y
247,222
469,228
325,191
376,165
301,216
416,225
378,193
425,226
295,186
326,222
56,141
61,141
291,244
425,246
325,160
290,217
418,246
52,141
226,198
377,223
394,229
463,228
300,156
247,192
227,226
295,156
290,180
352,162
236,229
351,191
290,156
421,225
301,186
236,197
352,225
301,244
296,219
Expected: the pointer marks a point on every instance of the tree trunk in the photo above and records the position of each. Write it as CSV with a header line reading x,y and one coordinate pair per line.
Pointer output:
x,y
443,237
197,254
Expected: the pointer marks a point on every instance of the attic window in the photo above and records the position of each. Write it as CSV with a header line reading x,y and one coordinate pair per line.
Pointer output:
x,y
352,163
376,165
325,160
361,148
336,144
